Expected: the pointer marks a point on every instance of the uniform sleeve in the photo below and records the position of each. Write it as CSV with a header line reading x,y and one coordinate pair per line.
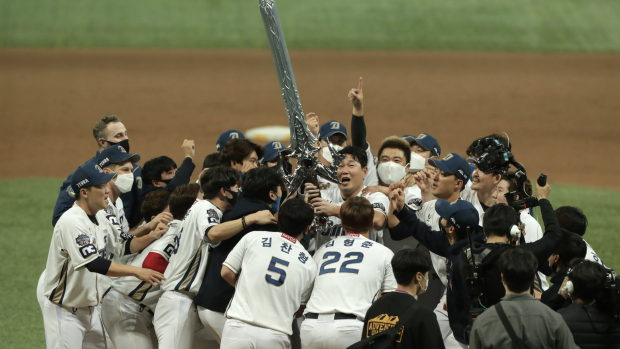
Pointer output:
x,y
305,296
389,281
164,246
77,242
205,222
533,231
380,202
117,242
235,257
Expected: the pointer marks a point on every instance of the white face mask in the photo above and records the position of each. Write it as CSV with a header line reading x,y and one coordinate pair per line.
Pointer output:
x,y
327,155
417,163
422,290
391,172
124,182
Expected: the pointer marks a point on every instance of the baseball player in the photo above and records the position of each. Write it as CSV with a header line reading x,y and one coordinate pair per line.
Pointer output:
x,y
76,265
446,183
176,317
225,137
127,308
351,173
278,274
352,271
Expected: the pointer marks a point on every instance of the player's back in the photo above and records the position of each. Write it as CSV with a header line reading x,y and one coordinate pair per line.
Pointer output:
x,y
189,259
275,278
352,270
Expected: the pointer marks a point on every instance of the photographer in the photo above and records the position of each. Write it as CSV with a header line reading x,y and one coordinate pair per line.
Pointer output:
x,y
590,325
500,227
569,247
519,320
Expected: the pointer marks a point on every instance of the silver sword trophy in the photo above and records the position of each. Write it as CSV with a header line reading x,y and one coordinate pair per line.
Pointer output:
x,y
302,140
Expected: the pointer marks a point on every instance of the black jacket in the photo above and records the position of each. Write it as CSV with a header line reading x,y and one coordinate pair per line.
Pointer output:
x,y
541,249
590,327
556,282
182,176
215,293
438,243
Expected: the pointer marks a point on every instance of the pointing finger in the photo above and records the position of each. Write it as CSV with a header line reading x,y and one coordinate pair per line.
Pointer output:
x,y
359,87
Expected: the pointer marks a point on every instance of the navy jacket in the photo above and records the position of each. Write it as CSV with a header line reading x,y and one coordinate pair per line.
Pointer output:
x,y
438,243
215,293
591,327
65,201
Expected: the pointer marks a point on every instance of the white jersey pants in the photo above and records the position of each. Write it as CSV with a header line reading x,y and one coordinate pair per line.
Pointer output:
x,y
175,321
126,322
72,328
240,335
328,333
213,321
40,295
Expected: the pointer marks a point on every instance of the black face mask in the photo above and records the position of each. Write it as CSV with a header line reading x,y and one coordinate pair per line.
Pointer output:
x,y
167,181
124,143
235,197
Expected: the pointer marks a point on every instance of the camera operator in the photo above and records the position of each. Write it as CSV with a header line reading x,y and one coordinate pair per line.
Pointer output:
x,y
456,218
569,247
500,227
591,326
519,320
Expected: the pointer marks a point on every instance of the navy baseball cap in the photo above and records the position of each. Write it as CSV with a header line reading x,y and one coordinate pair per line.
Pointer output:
x,y
409,138
331,127
89,174
461,213
428,142
272,149
453,163
114,155
226,136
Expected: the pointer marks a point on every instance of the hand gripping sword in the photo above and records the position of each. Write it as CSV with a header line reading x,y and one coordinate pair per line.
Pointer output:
x,y
302,140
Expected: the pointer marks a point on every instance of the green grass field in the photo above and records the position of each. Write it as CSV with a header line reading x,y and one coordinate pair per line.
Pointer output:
x,y
479,25
26,207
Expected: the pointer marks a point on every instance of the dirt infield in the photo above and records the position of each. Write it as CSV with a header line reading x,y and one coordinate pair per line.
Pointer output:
x,y
562,112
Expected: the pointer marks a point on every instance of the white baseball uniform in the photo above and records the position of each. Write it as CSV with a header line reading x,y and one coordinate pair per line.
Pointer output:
x,y
413,197
592,256
176,315
70,315
352,272
379,201
127,307
276,275
471,195
371,176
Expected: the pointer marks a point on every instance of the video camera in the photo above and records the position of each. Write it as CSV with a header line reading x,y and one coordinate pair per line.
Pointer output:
x,y
610,297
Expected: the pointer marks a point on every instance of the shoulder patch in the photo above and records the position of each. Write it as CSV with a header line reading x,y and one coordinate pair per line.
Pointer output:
x,y
82,240
379,206
211,212
415,202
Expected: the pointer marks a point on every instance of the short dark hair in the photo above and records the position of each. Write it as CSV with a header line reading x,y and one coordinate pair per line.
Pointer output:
x,y
572,219
588,279
99,131
152,169
258,182
394,142
358,154
154,203
407,263
519,267
211,160
294,216
217,178
569,247
499,219
356,215
500,138
238,149
524,191
182,198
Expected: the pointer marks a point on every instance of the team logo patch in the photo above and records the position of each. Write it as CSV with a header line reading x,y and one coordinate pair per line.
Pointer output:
x,y
421,136
211,212
289,238
379,206
109,210
324,186
104,162
213,220
448,157
335,125
82,240
415,202
462,173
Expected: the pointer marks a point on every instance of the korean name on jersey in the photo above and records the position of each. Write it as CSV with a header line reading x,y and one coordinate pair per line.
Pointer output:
x,y
276,277
352,270
77,241
141,291
189,256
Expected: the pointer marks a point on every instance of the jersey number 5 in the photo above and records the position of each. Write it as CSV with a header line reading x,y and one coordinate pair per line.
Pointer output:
x,y
273,268
344,267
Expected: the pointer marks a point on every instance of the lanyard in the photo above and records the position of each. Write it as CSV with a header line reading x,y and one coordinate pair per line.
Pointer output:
x,y
405,292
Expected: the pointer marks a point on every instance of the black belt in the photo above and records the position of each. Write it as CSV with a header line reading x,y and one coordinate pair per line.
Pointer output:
x,y
337,316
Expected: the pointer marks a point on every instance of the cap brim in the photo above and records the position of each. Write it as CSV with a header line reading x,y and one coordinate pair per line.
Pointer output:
x,y
329,134
440,165
472,160
134,158
103,178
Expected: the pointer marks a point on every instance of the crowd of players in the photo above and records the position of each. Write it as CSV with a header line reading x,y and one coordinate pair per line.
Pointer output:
x,y
141,257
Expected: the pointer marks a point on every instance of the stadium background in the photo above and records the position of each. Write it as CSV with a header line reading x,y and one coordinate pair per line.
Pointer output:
x,y
544,72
